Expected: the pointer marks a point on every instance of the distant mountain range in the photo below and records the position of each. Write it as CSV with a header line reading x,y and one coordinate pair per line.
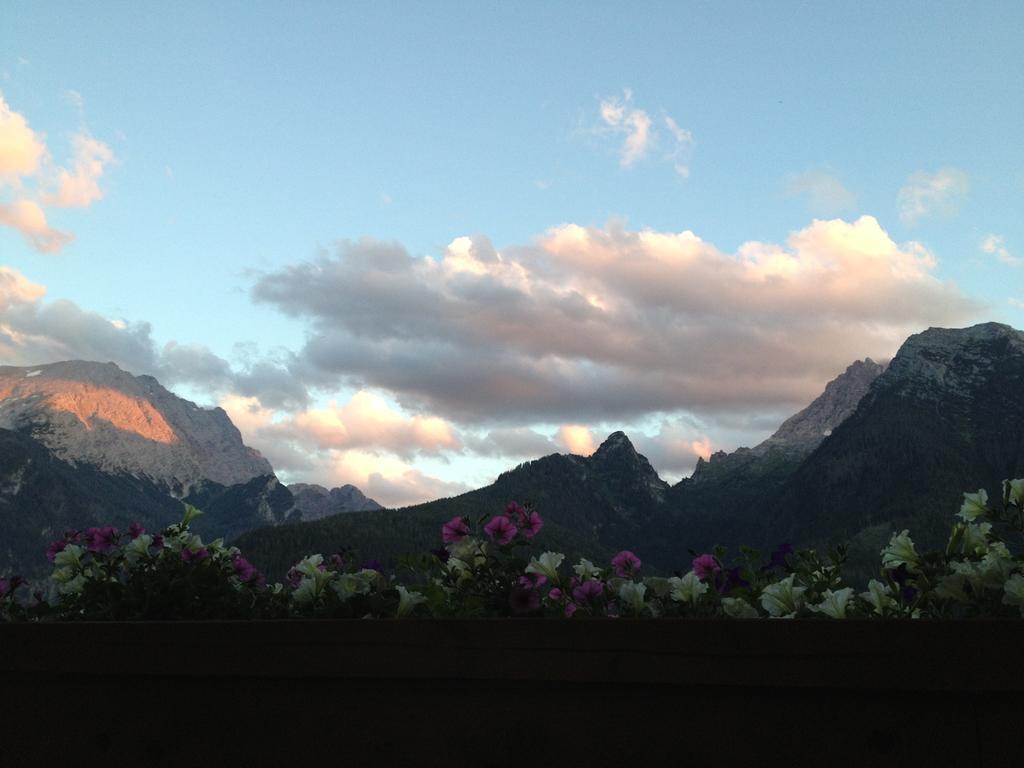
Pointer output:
x,y
85,443
882,448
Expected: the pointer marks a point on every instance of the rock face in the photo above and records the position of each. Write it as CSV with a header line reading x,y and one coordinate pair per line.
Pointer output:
x,y
97,414
314,502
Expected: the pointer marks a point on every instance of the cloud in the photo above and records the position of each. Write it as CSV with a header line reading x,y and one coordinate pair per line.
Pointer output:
x,y
996,246
21,149
1016,303
15,288
79,187
29,219
926,193
636,125
577,439
590,325
824,193
355,443
26,168
511,442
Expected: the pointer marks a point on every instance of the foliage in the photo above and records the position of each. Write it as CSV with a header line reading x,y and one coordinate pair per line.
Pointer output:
x,y
483,570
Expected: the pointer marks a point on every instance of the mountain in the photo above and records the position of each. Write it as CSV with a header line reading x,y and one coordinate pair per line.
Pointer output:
x,y
85,444
97,414
882,448
947,416
314,502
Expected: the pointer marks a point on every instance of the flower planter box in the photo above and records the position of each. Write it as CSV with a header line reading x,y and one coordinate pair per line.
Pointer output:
x,y
513,692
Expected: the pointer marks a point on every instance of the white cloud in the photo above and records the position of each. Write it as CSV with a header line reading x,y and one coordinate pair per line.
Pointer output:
x,y
926,193
576,438
634,123
589,325
26,168
824,193
996,246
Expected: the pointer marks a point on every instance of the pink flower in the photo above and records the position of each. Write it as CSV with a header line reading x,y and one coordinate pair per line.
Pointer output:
x,y
524,600
570,609
54,548
101,540
454,530
515,512
188,556
706,566
626,564
555,594
135,530
531,526
501,530
587,591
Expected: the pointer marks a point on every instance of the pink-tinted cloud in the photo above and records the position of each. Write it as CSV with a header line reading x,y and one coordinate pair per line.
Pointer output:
x,y
29,219
79,187
21,149
576,438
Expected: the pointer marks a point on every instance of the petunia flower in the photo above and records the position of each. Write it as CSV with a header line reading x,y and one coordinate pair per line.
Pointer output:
x,y
687,589
738,608
975,505
101,540
1013,491
587,591
523,600
408,600
783,598
194,555
1013,592
546,565
531,525
900,551
834,604
501,530
706,566
135,530
586,569
626,564
454,530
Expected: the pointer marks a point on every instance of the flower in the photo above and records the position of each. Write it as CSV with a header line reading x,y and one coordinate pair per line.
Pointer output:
x,y
408,600
587,591
687,589
900,551
626,564
191,513
454,530
194,555
555,594
135,530
778,557
244,570
570,609
69,557
101,540
1013,491
879,595
530,526
522,600
834,603
586,569
546,565
738,608
631,593
501,530
975,505
54,548
783,598
706,566
1013,592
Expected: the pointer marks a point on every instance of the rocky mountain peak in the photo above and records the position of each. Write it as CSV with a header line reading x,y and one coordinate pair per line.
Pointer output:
x,y
315,502
952,361
100,415
617,459
803,431
615,444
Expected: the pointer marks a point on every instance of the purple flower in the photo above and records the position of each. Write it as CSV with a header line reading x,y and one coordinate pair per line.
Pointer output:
x,y
101,540
158,542
778,557
555,594
455,530
530,526
733,580
524,600
135,530
516,512
705,566
587,591
54,548
373,565
441,554
294,578
570,609
501,530
626,564
188,556
244,570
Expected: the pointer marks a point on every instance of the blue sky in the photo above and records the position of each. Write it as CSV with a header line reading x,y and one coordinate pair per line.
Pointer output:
x,y
241,143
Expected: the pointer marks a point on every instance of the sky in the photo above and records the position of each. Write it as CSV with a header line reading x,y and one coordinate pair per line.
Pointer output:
x,y
410,246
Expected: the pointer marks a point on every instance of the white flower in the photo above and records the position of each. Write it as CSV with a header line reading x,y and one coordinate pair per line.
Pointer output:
x,y
310,566
546,565
900,550
1014,592
834,603
880,596
137,547
738,608
1013,491
470,550
631,593
687,589
586,570
408,600
72,586
191,513
306,592
70,557
348,584
976,538
975,505
783,598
